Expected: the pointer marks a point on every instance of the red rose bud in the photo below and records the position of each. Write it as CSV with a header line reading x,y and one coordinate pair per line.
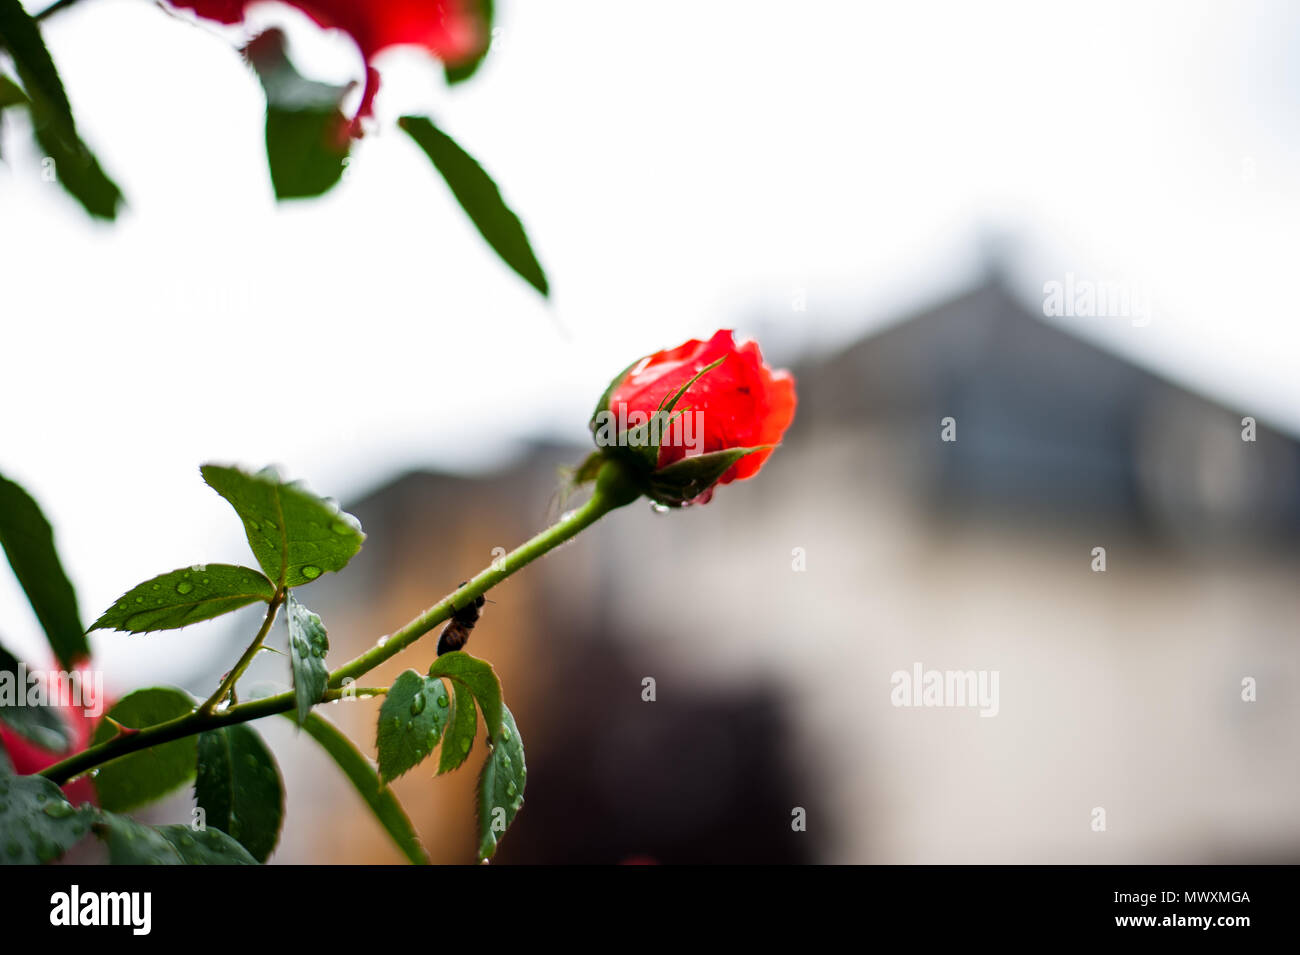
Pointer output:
x,y
691,418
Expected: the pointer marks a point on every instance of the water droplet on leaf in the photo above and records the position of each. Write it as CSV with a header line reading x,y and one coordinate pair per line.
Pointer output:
x,y
311,571
184,587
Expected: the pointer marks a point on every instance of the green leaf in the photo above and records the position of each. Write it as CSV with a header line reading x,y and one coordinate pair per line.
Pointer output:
x,y
41,725
480,679
500,786
20,34
37,824
133,843
295,535
688,478
141,777
28,542
363,776
186,596
588,470
55,131
411,719
463,71
76,168
307,141
479,196
11,94
669,403
462,726
239,789
308,645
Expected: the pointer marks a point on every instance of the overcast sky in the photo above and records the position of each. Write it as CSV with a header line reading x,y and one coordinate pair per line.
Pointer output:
x,y
680,167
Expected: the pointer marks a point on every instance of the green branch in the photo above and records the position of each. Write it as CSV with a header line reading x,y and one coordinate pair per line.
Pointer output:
x,y
613,490
228,684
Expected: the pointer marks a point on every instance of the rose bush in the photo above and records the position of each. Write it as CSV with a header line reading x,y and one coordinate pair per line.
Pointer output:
x,y
158,739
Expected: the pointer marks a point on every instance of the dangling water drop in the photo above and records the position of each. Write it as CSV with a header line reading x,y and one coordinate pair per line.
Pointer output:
x,y
659,508
59,810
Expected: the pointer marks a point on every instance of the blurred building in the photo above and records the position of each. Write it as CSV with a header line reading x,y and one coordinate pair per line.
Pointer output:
x,y
1120,690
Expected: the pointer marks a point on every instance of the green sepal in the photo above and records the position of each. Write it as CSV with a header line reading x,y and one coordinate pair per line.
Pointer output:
x,y
603,403
684,480
587,471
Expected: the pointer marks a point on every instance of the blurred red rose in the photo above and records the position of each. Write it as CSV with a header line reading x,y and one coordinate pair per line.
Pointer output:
x,y
743,403
28,758
455,31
